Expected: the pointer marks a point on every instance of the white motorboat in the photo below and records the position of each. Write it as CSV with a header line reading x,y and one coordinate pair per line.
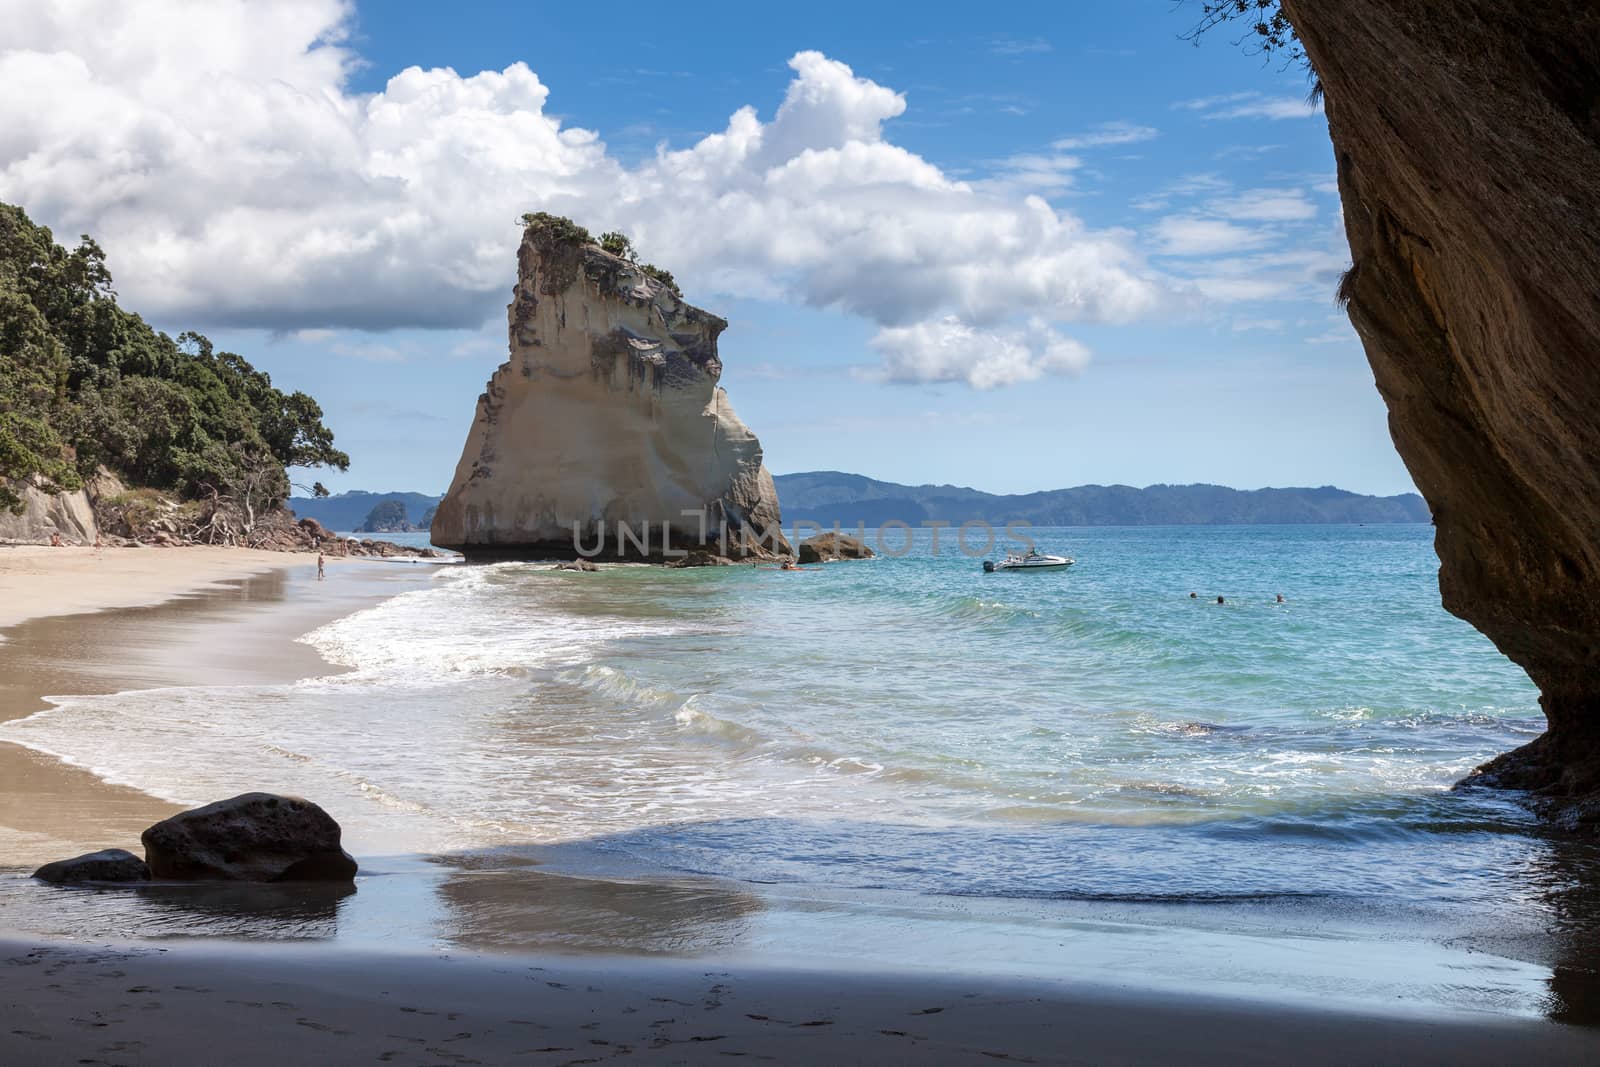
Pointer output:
x,y
1031,561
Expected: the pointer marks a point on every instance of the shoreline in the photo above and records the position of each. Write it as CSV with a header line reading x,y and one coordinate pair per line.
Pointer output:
x,y
38,581
77,622
819,974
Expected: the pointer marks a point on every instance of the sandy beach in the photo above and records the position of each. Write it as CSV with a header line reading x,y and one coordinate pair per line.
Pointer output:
x,y
247,1005
80,621
146,989
36,580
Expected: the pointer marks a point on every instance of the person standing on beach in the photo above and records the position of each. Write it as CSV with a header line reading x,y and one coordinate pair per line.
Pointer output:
x,y
321,567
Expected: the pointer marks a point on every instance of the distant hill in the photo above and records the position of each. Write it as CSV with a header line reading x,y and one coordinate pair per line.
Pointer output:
x,y
348,511
827,497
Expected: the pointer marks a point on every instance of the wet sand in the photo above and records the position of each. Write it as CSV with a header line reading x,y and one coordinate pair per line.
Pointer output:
x,y
206,618
246,1005
37,581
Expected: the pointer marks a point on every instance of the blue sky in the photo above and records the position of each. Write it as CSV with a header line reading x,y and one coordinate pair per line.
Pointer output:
x,y
1156,305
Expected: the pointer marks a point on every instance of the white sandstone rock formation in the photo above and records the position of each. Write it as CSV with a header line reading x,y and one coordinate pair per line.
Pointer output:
x,y
606,418
69,513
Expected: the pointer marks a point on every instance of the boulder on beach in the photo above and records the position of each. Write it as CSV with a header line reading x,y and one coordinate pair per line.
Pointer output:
x,y
107,865
254,837
827,547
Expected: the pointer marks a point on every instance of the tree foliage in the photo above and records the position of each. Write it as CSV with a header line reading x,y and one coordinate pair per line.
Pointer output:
x,y
1268,31
557,228
661,275
84,382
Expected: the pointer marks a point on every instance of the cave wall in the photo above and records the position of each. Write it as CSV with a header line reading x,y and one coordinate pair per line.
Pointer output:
x,y
1467,137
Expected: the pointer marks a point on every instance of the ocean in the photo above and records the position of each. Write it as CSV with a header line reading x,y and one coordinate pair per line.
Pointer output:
x,y
1027,749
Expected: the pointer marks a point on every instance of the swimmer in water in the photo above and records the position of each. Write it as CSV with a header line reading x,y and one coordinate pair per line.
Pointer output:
x,y
1194,596
1280,598
1221,601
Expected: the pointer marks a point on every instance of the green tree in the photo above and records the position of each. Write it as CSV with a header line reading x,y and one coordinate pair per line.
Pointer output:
x,y
84,382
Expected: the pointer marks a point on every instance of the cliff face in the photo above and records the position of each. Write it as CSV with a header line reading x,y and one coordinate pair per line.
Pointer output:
x,y
608,412
1467,134
69,514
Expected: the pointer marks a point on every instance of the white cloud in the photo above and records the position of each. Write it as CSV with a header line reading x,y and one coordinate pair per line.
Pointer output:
x,y
1108,133
1251,105
1337,331
1206,102
245,184
950,350
1283,107
1014,46
1266,205
1023,174
1192,235
370,351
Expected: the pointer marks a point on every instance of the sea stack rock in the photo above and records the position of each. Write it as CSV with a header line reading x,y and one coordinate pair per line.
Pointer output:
x,y
606,435
1467,135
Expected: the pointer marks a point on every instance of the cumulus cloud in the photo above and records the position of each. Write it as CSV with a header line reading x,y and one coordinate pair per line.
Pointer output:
x,y
245,184
950,350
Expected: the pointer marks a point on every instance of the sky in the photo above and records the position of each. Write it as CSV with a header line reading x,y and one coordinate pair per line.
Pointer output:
x,y
1018,248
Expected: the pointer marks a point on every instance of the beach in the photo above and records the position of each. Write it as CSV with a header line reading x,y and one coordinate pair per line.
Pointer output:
x,y
248,1006
461,945
85,621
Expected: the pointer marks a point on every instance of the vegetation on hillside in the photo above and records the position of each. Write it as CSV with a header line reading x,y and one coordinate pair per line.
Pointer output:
x,y
85,383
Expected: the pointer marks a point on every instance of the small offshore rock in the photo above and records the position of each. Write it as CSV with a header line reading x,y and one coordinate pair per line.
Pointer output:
x,y
107,865
824,548
701,558
577,565
253,837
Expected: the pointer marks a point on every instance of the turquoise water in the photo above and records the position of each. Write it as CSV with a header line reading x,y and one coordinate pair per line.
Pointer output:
x,y
915,726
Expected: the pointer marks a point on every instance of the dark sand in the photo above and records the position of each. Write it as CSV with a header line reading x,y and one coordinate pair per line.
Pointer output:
x,y
247,1005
